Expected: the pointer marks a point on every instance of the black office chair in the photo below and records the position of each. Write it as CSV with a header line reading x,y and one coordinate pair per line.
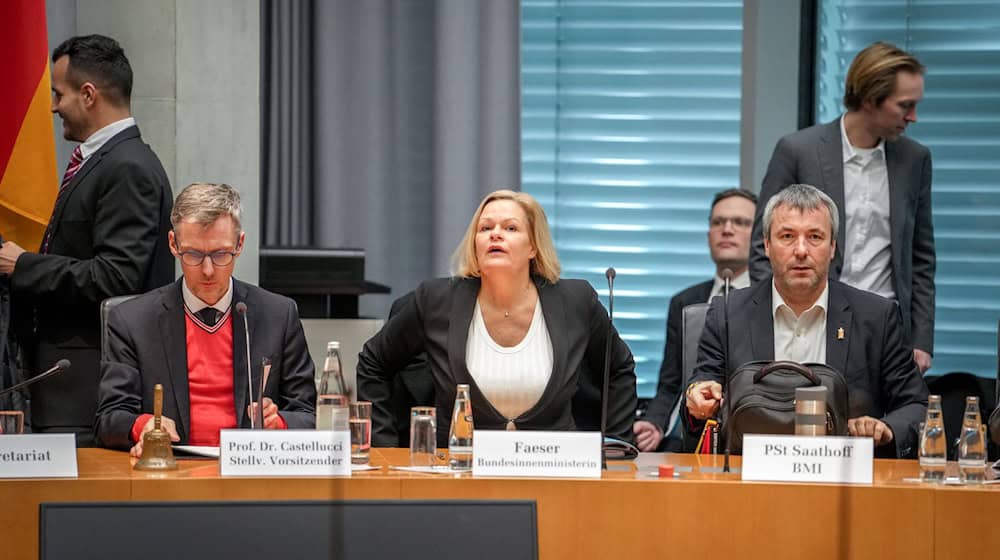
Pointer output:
x,y
106,307
692,323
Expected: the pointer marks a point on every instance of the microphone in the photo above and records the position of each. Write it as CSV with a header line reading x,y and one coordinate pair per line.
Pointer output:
x,y
61,365
241,308
727,276
610,275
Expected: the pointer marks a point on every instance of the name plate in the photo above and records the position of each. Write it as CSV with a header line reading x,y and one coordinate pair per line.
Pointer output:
x,y
523,453
284,453
38,456
807,459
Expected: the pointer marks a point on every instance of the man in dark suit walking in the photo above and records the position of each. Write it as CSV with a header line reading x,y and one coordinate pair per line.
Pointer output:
x,y
729,223
190,337
107,235
880,181
802,315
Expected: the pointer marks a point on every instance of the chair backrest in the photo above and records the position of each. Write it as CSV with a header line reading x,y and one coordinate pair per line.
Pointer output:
x,y
691,327
106,307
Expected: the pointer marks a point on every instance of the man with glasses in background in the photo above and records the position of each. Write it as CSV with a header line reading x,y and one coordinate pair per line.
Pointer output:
x,y
730,222
192,337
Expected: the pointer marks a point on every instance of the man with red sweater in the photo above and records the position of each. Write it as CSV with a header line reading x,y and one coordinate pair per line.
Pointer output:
x,y
190,337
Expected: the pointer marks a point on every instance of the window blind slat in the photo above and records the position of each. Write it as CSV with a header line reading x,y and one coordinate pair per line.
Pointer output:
x,y
630,123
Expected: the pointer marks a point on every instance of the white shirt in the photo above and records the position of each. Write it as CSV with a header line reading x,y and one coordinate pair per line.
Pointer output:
x,y
867,236
101,137
513,378
803,338
736,283
195,304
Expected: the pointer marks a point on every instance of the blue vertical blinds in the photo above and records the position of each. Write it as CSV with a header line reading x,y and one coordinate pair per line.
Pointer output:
x,y
630,123
959,121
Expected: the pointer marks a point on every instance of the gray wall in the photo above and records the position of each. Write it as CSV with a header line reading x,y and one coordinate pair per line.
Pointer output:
x,y
196,93
770,97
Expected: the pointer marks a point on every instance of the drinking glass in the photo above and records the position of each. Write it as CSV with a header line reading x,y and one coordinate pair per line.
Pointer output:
x,y
361,432
11,422
423,436
332,413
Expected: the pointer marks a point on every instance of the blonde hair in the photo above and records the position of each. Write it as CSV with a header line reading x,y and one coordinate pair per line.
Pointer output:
x,y
872,74
545,263
203,203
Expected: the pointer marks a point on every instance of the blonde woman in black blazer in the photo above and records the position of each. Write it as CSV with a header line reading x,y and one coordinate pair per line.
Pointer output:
x,y
507,264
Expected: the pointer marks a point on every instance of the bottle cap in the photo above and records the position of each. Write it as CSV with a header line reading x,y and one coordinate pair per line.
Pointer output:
x,y
332,345
666,471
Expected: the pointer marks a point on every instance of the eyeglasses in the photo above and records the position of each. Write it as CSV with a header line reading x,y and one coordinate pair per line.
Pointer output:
x,y
738,222
195,258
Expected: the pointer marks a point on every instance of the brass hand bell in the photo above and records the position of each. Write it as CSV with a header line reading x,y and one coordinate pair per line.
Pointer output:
x,y
157,455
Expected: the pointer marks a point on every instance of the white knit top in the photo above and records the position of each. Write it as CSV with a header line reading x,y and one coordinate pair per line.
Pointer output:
x,y
513,378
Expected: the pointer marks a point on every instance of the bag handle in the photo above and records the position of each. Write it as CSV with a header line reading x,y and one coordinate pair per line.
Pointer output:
x,y
786,365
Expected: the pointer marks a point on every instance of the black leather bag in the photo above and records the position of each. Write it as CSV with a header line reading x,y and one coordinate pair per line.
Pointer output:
x,y
762,397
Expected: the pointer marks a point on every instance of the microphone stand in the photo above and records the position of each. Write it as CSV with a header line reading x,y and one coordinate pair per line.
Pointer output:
x,y
726,277
241,308
610,274
61,365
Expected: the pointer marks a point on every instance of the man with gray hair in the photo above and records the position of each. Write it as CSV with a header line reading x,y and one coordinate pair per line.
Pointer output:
x,y
184,336
800,314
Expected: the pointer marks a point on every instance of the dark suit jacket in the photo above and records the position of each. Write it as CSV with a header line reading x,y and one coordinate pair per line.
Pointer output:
x,y
110,239
881,376
147,346
437,320
669,387
814,156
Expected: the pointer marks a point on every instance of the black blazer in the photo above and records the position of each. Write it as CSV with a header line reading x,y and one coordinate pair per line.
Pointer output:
x,y
669,387
147,346
436,321
109,239
814,156
881,376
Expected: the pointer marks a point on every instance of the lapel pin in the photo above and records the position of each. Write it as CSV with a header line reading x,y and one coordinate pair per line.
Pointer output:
x,y
840,333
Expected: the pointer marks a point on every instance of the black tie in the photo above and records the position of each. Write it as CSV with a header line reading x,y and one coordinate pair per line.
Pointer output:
x,y
209,316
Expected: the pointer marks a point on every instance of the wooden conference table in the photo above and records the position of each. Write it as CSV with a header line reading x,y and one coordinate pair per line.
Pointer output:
x,y
625,514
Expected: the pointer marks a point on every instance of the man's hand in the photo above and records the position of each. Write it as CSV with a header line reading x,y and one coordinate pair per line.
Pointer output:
x,y
647,435
9,254
703,399
271,419
923,360
166,425
866,426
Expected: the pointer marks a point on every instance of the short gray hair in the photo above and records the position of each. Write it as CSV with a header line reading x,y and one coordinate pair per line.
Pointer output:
x,y
801,198
204,203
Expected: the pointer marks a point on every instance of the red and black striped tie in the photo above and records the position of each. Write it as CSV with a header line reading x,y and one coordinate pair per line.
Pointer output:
x,y
75,162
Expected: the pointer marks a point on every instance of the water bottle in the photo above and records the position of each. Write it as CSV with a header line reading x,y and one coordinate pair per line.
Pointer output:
x,y
933,443
332,380
972,445
331,398
460,436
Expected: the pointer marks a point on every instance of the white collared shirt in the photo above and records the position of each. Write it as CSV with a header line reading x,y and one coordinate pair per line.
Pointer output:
x,y
511,378
195,304
101,137
803,338
739,282
867,235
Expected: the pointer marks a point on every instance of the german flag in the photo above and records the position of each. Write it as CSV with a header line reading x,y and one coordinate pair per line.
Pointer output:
x,y
28,176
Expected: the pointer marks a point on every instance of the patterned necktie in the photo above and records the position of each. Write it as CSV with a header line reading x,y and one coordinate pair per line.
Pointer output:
x,y
209,316
75,162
